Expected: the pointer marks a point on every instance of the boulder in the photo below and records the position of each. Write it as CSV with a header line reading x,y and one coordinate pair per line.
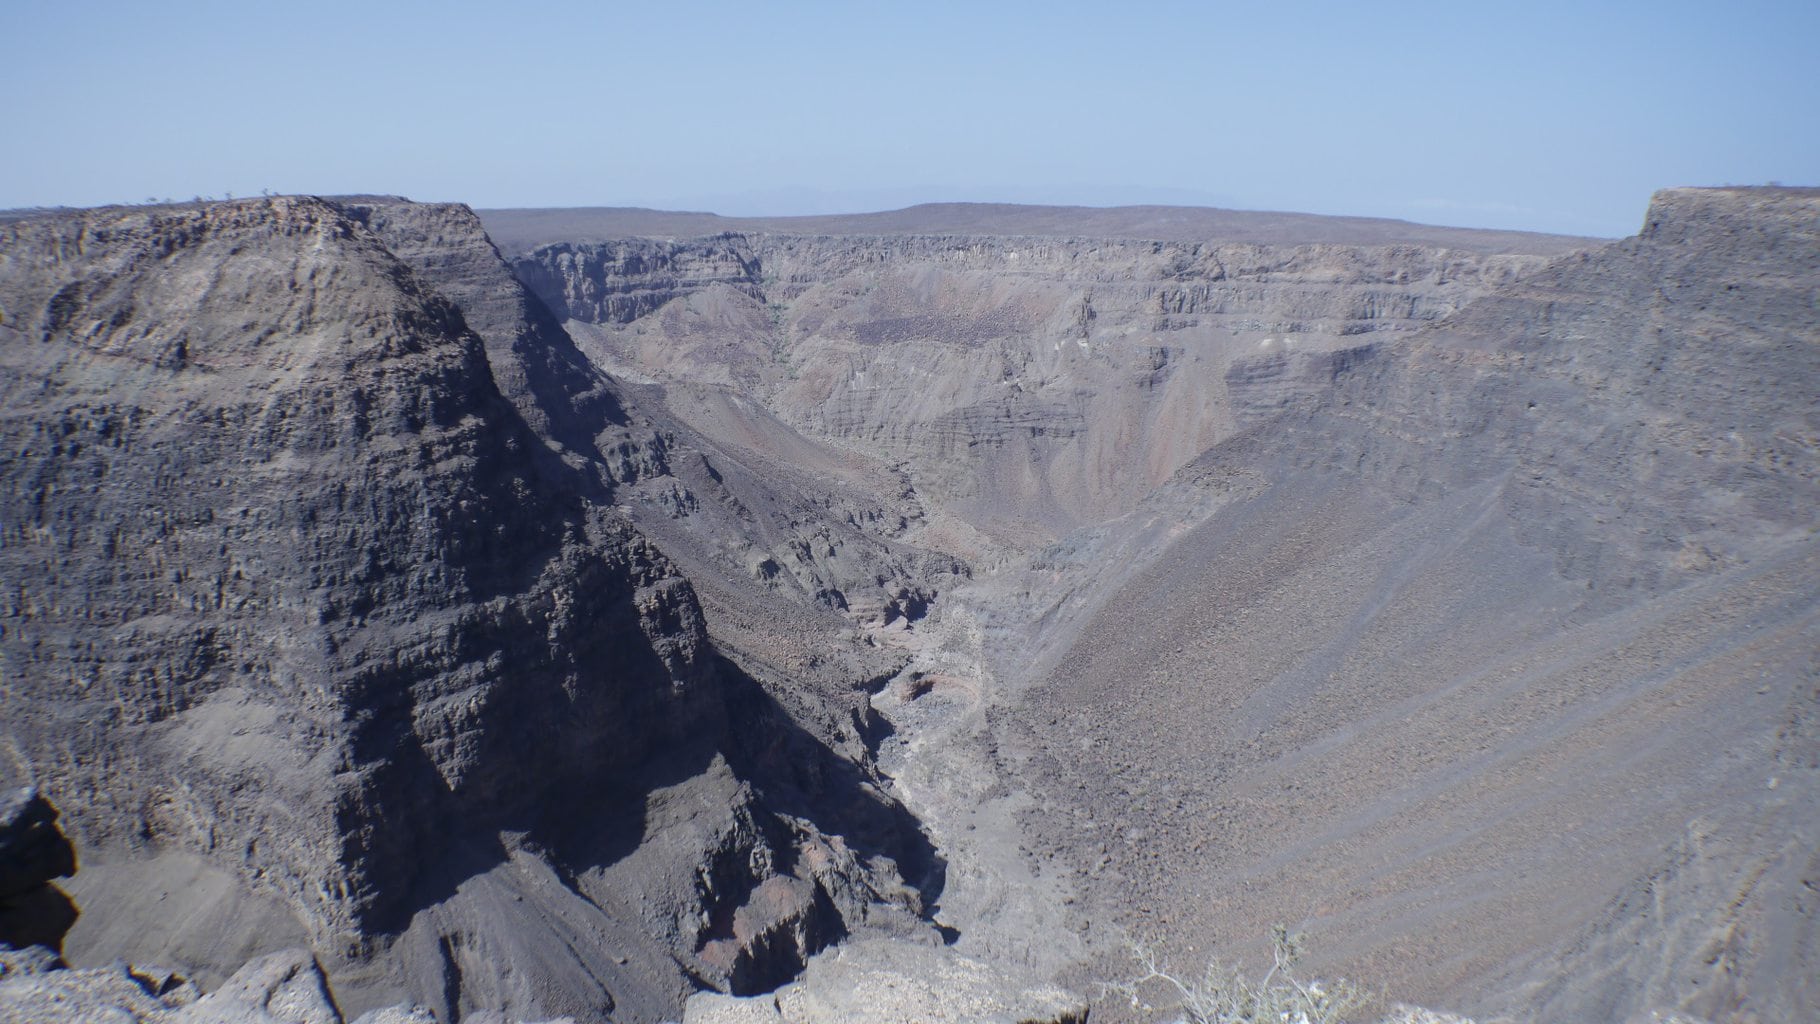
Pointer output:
x,y
279,988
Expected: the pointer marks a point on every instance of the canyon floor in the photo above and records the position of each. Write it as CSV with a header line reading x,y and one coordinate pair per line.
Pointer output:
x,y
558,612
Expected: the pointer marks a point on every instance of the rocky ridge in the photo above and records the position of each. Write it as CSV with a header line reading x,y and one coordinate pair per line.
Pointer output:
x,y
299,583
521,230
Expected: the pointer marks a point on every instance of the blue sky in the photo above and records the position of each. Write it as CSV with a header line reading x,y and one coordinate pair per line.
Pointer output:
x,y
1539,115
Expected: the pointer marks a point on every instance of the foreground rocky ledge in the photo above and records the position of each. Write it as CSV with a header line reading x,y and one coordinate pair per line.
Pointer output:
x,y
36,987
880,982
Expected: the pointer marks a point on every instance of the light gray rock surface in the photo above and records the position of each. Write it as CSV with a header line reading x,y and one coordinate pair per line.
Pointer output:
x,y
1490,662
36,988
287,987
403,1013
1027,386
280,988
873,981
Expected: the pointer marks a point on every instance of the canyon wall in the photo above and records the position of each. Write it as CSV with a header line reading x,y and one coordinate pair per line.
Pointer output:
x,y
1028,385
1456,605
312,578
1491,660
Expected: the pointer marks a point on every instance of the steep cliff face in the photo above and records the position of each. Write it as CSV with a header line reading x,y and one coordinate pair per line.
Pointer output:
x,y
551,385
1498,643
617,282
724,487
290,584
251,509
1648,399
1029,385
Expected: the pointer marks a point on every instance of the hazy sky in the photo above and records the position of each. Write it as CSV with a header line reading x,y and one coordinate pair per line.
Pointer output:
x,y
1541,115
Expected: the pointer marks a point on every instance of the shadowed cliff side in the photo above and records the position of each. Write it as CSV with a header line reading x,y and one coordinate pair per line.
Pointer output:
x,y
291,587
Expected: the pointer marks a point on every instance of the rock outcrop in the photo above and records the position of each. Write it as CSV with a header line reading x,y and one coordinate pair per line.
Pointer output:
x,y
875,982
621,281
38,987
286,987
305,575
303,608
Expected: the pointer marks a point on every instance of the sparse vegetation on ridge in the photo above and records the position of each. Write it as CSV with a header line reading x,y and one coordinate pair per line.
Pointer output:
x,y
1223,994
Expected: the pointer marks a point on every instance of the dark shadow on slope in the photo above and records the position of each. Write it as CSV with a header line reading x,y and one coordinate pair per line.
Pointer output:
x,y
579,700
793,774
559,375
592,816
548,757
34,852
799,776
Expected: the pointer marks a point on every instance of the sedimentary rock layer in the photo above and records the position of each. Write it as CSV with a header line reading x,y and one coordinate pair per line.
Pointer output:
x,y
1029,385
306,577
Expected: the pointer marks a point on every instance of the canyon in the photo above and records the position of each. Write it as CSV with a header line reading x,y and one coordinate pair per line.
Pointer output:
x,y
549,613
